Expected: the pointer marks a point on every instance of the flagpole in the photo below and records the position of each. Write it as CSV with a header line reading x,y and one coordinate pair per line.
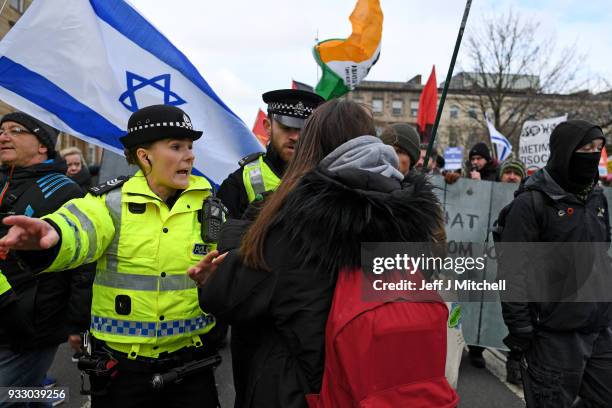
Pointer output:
x,y
316,42
493,145
449,74
2,8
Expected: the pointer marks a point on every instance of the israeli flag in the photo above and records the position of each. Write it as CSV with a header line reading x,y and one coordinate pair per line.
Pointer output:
x,y
85,66
504,147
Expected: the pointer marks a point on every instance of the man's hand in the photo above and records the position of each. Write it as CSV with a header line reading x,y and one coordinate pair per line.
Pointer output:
x,y
474,175
28,234
74,340
451,177
206,267
518,342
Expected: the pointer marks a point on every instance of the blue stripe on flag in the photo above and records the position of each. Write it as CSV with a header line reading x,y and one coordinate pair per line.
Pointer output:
x,y
44,93
499,140
123,18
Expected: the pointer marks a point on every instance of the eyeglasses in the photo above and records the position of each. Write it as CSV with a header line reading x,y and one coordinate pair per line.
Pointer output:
x,y
14,131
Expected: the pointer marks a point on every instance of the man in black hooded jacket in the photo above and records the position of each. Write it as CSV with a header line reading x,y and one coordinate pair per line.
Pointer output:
x,y
41,311
567,345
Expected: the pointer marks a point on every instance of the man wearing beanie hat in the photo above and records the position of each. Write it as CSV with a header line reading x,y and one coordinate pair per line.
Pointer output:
x,y
566,338
47,309
405,140
480,163
512,171
46,135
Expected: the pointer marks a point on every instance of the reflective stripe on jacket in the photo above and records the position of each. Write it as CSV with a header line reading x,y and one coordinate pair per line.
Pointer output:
x,y
143,300
258,178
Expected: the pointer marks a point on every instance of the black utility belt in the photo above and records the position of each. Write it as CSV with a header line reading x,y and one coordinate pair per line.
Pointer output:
x,y
165,362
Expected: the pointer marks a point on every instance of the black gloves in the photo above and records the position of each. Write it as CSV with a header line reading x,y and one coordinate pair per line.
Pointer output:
x,y
518,342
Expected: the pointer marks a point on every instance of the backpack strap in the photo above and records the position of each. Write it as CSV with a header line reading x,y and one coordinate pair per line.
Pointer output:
x,y
538,201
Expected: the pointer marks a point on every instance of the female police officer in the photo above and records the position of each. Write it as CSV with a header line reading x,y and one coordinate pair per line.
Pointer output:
x,y
144,233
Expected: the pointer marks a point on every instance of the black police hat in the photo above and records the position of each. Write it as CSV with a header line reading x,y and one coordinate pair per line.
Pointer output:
x,y
158,122
291,107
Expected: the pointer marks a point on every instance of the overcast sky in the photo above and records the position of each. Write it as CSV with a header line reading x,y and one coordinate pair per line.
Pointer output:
x,y
244,47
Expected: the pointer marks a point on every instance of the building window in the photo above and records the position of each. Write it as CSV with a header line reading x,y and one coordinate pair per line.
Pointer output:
x,y
18,5
377,105
397,107
472,112
91,154
454,112
414,108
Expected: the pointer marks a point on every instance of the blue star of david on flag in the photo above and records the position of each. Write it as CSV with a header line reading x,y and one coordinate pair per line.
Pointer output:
x,y
136,82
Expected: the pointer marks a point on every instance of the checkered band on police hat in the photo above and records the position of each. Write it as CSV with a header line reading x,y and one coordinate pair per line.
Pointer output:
x,y
297,110
292,102
158,122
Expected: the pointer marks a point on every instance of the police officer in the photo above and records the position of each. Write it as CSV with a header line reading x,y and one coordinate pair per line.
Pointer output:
x,y
144,232
259,173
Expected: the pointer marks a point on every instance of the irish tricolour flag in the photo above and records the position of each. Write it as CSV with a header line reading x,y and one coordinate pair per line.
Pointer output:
x,y
346,62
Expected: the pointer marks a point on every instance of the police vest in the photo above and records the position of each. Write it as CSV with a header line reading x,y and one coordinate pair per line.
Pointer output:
x,y
143,301
258,178
5,286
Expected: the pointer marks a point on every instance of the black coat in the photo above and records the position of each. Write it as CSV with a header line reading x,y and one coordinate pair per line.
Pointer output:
x,y
588,222
232,192
83,178
54,305
284,311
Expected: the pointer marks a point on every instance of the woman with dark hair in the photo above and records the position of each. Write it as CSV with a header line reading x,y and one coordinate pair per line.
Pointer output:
x,y
342,188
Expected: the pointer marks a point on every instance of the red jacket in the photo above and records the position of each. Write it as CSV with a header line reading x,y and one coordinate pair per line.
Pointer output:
x,y
383,354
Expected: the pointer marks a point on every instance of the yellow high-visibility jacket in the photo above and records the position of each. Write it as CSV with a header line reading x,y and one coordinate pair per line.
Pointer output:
x,y
143,301
258,178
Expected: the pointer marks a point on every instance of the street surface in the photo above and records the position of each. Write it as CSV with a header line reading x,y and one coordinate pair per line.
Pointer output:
x,y
478,388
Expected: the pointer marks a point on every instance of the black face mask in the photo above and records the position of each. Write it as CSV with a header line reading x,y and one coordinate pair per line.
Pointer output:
x,y
583,168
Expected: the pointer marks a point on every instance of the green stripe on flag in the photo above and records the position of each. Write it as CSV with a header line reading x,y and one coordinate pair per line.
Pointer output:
x,y
330,85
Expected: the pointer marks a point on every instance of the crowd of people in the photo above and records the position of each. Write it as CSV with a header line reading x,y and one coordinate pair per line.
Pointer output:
x,y
157,266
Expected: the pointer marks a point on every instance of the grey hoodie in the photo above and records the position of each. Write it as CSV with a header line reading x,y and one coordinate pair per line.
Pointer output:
x,y
366,153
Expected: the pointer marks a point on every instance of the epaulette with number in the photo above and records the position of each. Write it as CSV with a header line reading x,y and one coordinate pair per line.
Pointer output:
x,y
108,186
250,158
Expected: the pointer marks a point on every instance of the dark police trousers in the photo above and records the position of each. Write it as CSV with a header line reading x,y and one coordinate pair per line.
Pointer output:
x,y
566,365
131,387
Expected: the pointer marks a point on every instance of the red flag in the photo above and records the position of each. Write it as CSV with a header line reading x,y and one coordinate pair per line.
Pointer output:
x,y
301,86
603,163
428,104
259,130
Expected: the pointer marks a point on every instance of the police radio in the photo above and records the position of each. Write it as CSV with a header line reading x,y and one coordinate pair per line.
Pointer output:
x,y
213,217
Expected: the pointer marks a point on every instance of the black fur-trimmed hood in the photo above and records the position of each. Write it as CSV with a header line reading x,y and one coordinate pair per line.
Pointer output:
x,y
329,214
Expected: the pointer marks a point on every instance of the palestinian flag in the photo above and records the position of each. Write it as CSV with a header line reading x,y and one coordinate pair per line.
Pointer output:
x,y
259,130
346,62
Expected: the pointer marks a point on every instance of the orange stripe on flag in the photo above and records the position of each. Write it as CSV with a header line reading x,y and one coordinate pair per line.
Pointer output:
x,y
366,19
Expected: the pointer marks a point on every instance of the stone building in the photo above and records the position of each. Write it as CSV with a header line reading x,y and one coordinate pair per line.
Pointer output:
x,y
462,122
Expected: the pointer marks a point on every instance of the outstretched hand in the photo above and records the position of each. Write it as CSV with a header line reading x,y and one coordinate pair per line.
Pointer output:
x,y
28,234
206,267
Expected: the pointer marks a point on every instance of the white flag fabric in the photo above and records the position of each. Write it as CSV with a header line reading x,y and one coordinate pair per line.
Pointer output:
x,y
85,66
504,147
